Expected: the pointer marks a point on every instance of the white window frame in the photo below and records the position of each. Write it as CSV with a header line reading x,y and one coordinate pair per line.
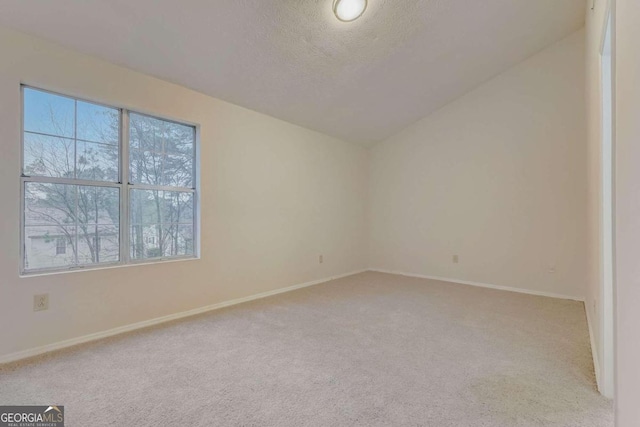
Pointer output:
x,y
124,186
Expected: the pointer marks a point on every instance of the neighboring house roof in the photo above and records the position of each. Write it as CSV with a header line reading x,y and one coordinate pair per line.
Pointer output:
x,y
47,222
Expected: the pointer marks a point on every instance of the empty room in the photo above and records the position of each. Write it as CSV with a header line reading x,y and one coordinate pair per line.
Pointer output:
x,y
320,213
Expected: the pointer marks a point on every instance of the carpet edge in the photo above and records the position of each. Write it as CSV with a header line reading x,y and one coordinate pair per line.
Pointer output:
x,y
35,351
482,285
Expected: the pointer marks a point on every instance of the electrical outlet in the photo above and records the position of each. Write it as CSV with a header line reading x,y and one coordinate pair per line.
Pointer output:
x,y
552,269
455,259
40,302
321,259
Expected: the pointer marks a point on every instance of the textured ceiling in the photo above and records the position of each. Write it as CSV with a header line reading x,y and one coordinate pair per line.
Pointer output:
x,y
361,81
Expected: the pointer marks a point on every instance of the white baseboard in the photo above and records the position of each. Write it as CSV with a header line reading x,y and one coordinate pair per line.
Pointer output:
x,y
12,357
594,350
482,285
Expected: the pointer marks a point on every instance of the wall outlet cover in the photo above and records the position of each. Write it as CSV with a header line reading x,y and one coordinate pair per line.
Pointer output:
x,y
40,302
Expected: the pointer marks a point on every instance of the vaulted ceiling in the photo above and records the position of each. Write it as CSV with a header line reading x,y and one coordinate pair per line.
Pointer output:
x,y
292,59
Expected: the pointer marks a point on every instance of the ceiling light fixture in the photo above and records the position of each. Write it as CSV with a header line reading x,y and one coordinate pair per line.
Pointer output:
x,y
349,10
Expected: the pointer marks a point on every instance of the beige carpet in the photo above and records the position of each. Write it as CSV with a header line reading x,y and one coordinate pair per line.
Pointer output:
x,y
368,350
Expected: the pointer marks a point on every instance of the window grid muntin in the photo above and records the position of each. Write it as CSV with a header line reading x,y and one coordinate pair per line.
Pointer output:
x,y
124,199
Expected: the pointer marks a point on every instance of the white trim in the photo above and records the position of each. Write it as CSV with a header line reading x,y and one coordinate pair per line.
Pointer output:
x,y
594,351
70,181
107,266
12,357
482,285
161,188
606,319
603,29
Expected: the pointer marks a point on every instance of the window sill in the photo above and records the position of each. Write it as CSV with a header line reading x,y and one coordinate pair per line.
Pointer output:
x,y
27,274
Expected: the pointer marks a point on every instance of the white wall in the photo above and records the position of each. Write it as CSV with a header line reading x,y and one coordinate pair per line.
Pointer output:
x,y
596,303
496,177
274,196
627,212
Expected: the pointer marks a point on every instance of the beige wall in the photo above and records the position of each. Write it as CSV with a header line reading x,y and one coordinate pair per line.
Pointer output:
x,y
274,197
496,177
627,216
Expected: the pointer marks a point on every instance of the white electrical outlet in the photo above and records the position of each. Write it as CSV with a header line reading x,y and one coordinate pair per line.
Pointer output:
x,y
40,302
321,259
455,259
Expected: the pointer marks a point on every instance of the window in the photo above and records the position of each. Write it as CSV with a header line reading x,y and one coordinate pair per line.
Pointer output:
x,y
61,246
114,186
161,161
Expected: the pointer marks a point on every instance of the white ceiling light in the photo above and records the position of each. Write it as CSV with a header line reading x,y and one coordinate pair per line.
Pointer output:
x,y
349,10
